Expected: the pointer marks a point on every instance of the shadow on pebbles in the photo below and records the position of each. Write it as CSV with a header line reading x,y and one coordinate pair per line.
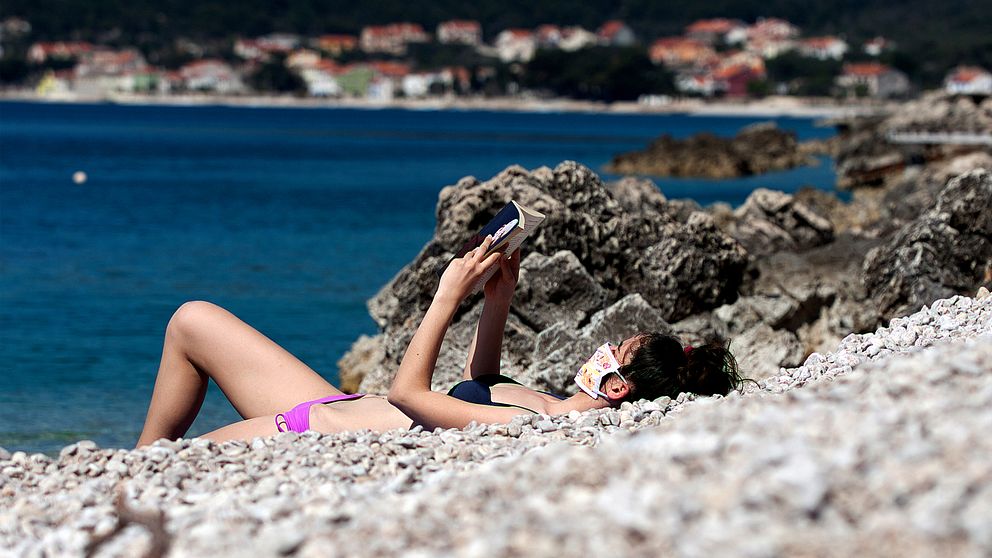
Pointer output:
x,y
880,447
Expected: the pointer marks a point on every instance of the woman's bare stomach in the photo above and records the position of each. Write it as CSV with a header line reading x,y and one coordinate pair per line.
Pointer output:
x,y
371,412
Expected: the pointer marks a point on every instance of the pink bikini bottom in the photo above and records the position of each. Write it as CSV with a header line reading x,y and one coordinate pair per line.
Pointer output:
x,y
297,419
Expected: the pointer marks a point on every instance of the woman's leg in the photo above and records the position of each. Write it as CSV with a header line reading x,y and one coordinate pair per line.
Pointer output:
x,y
204,341
244,430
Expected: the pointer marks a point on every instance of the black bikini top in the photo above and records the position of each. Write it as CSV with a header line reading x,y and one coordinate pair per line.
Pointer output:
x,y
477,391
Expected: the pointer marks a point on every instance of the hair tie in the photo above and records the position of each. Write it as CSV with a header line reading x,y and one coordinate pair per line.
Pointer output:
x,y
687,350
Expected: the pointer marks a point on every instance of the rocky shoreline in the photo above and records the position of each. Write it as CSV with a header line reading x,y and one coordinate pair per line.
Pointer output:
x,y
865,433
757,149
878,447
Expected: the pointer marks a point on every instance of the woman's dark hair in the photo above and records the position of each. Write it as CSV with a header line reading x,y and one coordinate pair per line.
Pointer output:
x,y
662,366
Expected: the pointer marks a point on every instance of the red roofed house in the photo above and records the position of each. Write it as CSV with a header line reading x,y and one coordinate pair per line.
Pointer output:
x,y
337,44
823,48
548,35
392,38
103,70
303,58
459,31
713,31
770,37
576,38
877,80
616,33
321,79
212,75
680,52
62,50
733,79
263,48
968,80
515,44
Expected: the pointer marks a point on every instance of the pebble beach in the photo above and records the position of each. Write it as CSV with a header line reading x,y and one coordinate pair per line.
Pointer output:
x,y
879,447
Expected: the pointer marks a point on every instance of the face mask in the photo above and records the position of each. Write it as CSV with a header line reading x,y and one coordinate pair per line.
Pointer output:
x,y
602,363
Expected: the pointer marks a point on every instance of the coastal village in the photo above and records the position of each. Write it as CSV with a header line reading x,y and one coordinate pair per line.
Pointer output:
x,y
725,58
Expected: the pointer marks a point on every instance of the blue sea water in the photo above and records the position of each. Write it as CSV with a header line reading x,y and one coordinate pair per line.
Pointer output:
x,y
290,218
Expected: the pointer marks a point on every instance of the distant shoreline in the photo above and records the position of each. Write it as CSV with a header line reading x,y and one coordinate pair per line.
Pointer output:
x,y
769,107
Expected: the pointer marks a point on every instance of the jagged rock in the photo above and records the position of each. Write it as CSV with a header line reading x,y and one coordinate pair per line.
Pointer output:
x,y
637,194
756,149
518,346
761,351
701,328
556,289
692,268
770,221
947,250
589,253
866,158
365,355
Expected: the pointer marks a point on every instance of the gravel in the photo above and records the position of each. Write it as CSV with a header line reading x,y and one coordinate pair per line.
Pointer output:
x,y
879,447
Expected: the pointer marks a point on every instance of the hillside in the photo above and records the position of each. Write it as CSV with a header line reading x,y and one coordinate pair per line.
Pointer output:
x,y
931,36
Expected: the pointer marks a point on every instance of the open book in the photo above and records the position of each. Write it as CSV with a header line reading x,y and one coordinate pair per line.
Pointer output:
x,y
509,228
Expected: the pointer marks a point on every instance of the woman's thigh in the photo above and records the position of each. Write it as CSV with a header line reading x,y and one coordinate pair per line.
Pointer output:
x,y
258,376
244,430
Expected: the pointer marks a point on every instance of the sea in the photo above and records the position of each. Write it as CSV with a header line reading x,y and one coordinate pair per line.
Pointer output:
x,y
292,218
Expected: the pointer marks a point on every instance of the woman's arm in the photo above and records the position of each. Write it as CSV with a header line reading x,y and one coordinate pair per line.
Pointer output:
x,y
411,388
487,344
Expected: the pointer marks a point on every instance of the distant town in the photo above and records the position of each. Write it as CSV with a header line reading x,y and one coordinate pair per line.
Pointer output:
x,y
712,58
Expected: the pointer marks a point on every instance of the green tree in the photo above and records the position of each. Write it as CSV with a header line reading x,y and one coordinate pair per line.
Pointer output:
x,y
597,73
275,76
13,70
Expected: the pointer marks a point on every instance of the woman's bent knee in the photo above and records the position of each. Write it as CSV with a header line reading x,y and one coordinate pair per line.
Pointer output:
x,y
190,316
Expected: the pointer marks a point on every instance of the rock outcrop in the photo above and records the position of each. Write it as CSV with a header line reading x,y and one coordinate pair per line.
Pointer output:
x,y
781,276
770,221
587,257
757,149
866,156
945,250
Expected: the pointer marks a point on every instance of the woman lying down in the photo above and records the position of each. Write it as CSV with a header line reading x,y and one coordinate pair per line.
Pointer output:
x,y
276,392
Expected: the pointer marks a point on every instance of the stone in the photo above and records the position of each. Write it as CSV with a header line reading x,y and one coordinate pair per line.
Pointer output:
x,y
556,289
756,149
586,256
947,250
770,221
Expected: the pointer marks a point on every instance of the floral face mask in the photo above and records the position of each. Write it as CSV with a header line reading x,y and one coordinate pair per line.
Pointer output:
x,y
601,364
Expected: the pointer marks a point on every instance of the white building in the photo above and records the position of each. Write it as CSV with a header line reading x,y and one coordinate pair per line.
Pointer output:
x,y
459,31
616,33
823,48
515,45
968,80
576,38
211,75
878,80
320,82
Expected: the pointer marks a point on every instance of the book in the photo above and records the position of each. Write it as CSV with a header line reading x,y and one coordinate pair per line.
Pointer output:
x,y
510,227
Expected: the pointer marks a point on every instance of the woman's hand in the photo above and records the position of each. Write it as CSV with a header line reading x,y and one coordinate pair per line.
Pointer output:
x,y
463,273
500,287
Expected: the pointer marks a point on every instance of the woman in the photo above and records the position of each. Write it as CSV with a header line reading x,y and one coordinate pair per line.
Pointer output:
x,y
262,380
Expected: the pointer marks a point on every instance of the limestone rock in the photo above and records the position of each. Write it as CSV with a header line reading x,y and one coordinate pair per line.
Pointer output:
x,y
590,252
760,351
556,289
770,221
756,149
365,355
947,250
692,268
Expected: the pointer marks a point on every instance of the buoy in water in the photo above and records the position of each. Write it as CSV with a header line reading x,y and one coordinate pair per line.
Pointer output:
x,y
79,177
